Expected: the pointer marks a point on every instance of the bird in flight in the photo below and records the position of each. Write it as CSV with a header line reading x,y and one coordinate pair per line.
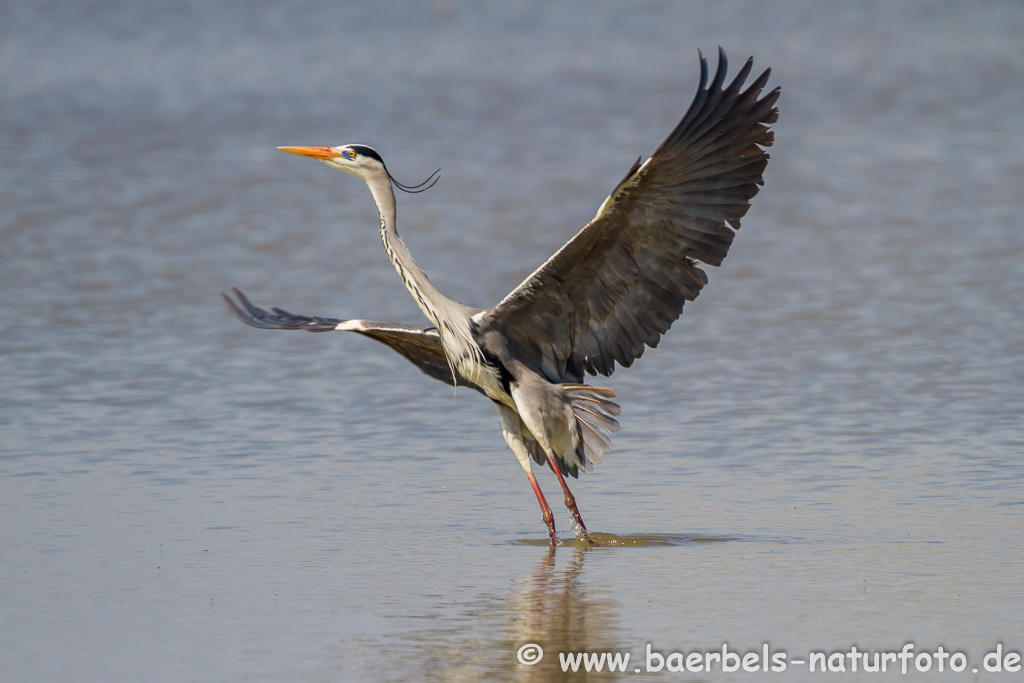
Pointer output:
x,y
608,293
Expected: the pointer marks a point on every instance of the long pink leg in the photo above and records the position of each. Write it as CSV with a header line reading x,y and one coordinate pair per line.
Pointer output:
x,y
549,519
570,502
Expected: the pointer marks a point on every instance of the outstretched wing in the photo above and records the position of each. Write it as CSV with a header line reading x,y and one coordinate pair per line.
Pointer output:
x,y
280,319
420,345
622,280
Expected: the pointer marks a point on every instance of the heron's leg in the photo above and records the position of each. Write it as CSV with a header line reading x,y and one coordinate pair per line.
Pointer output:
x,y
545,509
570,502
511,429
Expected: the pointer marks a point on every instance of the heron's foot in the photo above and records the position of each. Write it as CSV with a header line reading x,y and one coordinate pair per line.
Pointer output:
x,y
549,522
577,519
581,529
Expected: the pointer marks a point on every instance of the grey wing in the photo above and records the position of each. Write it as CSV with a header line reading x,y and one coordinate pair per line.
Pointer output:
x,y
279,319
620,282
420,345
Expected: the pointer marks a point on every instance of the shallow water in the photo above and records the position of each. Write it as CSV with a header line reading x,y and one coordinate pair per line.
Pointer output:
x,y
824,452
603,540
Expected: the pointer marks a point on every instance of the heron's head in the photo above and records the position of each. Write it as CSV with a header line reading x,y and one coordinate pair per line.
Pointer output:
x,y
361,161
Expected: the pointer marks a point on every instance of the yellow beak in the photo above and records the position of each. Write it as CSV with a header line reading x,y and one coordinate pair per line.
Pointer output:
x,y
315,152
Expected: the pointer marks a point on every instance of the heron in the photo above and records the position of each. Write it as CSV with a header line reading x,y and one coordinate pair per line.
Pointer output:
x,y
606,295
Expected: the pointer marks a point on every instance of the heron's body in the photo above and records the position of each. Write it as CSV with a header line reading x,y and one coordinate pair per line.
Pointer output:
x,y
524,398
608,293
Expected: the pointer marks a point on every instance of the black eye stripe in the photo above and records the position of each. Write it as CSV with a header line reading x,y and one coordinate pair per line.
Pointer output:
x,y
366,152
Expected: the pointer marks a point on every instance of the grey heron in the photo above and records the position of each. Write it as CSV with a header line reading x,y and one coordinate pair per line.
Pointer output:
x,y
611,291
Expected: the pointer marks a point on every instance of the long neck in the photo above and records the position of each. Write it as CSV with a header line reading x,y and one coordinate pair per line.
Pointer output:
x,y
449,317
431,301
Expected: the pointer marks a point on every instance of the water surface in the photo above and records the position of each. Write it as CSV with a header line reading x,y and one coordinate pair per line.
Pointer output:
x,y
824,452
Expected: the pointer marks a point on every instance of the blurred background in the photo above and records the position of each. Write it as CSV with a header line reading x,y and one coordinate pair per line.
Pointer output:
x,y
824,452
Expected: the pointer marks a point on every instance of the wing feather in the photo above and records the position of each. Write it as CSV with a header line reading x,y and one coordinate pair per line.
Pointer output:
x,y
618,285
419,344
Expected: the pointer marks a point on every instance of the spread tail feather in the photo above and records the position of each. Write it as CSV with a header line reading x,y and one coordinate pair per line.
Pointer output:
x,y
594,413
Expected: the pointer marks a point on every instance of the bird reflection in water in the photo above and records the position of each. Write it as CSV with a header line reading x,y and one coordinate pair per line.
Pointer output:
x,y
477,638
558,605
558,612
